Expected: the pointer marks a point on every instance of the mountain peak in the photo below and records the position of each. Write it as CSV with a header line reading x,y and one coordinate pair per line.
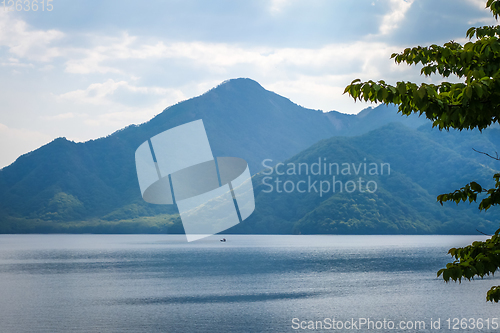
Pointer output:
x,y
240,84
240,81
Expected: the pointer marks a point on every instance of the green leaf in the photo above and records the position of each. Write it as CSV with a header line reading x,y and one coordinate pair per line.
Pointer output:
x,y
422,92
476,187
468,92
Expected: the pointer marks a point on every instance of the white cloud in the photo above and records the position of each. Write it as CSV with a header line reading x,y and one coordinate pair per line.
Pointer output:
x,y
96,93
88,84
115,104
219,58
395,16
328,69
480,4
13,62
483,21
102,93
15,140
326,89
99,58
89,60
24,42
66,115
278,5
274,65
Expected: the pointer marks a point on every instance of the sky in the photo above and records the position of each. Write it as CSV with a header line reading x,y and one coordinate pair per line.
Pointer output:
x,y
88,68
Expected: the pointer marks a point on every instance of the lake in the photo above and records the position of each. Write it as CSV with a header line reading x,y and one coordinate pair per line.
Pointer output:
x,y
161,283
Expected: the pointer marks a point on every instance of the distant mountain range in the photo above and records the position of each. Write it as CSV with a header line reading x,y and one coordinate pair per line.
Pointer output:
x,y
407,168
92,186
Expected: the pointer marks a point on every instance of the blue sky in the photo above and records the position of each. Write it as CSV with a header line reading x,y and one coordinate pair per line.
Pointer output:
x,y
88,68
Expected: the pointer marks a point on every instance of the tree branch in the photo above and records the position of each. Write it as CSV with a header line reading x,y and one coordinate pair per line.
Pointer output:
x,y
480,152
483,233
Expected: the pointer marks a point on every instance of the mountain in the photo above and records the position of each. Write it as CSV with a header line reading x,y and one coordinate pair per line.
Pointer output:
x,y
370,119
402,171
92,186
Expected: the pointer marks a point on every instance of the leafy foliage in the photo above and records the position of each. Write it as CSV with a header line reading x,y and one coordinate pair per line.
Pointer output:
x,y
479,259
470,192
472,103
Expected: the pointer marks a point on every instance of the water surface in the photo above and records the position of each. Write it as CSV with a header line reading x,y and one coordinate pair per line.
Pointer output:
x,y
161,283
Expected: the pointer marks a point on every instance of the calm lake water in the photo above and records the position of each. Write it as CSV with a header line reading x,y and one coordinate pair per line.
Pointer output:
x,y
161,283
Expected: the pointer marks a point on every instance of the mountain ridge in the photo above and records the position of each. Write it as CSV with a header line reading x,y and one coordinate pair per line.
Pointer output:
x,y
92,186
405,201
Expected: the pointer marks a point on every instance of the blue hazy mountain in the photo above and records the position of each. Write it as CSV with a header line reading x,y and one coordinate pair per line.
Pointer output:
x,y
407,167
92,186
